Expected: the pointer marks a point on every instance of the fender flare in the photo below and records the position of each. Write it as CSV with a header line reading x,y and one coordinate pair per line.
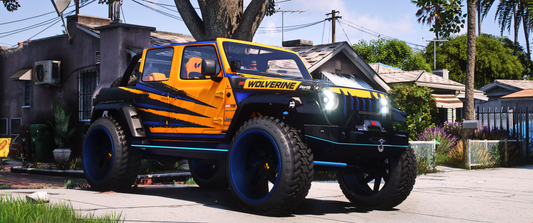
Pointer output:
x,y
127,112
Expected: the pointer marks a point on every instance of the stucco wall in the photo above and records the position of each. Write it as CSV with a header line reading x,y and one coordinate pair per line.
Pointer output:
x,y
78,55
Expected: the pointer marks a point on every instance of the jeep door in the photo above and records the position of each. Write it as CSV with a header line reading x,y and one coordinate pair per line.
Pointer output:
x,y
152,89
200,99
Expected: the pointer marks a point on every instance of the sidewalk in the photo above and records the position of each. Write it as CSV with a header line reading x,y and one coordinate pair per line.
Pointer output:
x,y
454,195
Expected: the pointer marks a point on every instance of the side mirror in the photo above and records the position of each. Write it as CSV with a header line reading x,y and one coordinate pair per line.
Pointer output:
x,y
235,65
209,69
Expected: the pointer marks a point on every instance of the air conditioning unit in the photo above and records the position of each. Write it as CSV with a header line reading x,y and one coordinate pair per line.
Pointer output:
x,y
47,72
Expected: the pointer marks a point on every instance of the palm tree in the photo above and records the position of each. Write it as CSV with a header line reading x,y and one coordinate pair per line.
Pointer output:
x,y
483,8
429,14
513,12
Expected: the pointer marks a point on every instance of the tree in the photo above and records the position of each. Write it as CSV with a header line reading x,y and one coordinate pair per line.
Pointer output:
x,y
468,105
393,52
220,18
223,18
11,5
514,12
418,103
444,16
494,59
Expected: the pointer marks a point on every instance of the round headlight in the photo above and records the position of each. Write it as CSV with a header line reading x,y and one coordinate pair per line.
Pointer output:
x,y
385,107
330,100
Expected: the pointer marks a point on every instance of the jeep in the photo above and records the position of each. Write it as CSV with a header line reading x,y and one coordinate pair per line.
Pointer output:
x,y
248,117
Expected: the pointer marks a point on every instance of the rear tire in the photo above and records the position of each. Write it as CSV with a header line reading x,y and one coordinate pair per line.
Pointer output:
x,y
270,169
364,189
109,163
209,174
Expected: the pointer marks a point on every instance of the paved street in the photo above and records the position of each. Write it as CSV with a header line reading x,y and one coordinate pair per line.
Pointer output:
x,y
492,195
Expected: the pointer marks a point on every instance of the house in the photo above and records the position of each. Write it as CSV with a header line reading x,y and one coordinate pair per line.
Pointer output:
x,y
448,94
37,72
507,93
337,63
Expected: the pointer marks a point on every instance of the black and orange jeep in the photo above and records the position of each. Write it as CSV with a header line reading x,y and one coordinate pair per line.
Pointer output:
x,y
248,117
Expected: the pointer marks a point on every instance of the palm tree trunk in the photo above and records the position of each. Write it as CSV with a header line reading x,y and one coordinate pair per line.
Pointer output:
x,y
478,18
516,28
525,18
468,108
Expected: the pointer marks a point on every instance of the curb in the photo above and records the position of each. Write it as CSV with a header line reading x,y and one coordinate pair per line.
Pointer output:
x,y
156,178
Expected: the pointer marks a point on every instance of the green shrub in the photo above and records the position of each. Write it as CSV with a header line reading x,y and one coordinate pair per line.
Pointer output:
x,y
419,105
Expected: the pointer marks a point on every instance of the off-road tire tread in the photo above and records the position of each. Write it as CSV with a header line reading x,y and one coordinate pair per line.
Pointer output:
x,y
128,162
401,189
299,182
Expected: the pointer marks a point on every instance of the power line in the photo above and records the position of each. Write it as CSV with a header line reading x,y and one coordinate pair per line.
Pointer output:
x,y
379,35
67,14
323,27
345,33
159,11
122,10
266,30
20,20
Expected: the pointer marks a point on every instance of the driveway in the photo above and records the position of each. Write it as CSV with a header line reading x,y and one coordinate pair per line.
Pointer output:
x,y
454,195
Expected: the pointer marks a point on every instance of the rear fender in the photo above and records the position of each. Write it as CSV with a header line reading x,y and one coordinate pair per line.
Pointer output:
x,y
126,112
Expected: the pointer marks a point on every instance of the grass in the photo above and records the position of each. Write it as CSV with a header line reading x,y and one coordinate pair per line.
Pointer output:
x,y
17,209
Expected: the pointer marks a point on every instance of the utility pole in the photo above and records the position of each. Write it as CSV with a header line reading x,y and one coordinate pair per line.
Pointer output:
x,y
283,21
435,50
333,17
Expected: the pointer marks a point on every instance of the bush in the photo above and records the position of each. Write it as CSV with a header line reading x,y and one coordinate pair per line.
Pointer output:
x,y
447,141
419,105
454,129
456,155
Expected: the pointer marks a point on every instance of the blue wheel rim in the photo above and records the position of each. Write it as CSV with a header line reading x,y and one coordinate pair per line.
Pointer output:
x,y
98,153
253,168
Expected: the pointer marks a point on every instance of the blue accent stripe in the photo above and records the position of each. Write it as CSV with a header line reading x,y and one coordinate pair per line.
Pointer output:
x,y
147,87
143,105
161,123
331,164
178,44
353,144
188,135
344,99
179,147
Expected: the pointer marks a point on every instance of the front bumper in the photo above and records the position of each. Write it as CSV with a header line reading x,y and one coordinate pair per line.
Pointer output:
x,y
338,144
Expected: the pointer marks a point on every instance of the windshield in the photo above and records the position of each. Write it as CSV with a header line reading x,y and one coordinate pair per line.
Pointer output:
x,y
257,60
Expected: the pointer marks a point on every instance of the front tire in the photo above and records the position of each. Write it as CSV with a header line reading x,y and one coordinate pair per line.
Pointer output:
x,y
109,163
365,190
270,169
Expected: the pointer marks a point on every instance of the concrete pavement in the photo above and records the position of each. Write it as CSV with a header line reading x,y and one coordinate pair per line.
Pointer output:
x,y
455,195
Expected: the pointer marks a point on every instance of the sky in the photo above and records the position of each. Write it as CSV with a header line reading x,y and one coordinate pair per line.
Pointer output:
x,y
361,20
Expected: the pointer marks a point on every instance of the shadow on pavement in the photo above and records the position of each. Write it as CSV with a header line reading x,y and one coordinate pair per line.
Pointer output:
x,y
224,200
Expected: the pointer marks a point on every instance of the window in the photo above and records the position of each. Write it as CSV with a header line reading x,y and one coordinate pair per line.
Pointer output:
x,y
15,124
191,67
88,81
157,64
26,94
3,126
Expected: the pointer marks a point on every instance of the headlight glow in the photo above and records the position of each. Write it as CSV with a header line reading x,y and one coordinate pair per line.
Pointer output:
x,y
384,106
330,100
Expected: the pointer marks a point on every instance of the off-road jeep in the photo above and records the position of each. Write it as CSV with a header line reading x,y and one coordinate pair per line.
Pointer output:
x,y
248,117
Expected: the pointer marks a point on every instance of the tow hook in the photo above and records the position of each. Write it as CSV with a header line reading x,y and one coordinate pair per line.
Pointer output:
x,y
380,147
